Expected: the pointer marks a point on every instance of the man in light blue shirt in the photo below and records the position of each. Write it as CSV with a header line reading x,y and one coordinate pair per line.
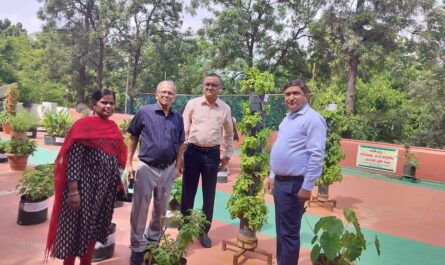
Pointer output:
x,y
296,162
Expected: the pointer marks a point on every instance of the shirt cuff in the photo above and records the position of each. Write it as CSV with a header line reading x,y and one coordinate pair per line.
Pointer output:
x,y
271,175
307,185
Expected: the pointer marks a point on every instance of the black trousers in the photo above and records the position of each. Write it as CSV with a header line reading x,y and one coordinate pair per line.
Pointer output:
x,y
197,163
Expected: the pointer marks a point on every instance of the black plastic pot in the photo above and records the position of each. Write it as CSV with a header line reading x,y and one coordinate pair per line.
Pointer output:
x,y
32,133
49,140
409,170
103,252
32,212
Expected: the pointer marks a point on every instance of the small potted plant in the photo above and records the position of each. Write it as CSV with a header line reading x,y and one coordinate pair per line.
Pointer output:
x,y
174,205
410,164
57,125
335,244
21,123
18,151
169,251
35,187
5,119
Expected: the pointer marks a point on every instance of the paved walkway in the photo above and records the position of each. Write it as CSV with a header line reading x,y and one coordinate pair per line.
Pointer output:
x,y
408,218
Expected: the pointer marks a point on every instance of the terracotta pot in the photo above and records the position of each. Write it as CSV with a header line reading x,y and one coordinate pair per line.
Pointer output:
x,y
6,128
18,135
17,163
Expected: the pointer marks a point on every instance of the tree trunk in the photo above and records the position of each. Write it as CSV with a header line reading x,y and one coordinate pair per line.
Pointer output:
x,y
82,84
136,59
352,79
100,63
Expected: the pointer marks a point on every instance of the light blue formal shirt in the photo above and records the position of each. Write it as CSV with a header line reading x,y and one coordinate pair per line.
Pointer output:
x,y
300,146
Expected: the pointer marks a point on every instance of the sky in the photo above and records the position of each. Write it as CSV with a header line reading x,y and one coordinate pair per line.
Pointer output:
x,y
25,12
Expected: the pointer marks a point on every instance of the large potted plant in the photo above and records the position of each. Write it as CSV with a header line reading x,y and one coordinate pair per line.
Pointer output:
x,y
18,151
35,187
335,244
169,251
331,107
247,200
57,124
21,123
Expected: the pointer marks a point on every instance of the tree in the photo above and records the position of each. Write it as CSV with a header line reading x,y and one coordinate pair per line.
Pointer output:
x,y
9,29
352,28
140,22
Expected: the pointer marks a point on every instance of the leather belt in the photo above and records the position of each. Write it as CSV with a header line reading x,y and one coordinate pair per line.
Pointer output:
x,y
288,178
202,148
160,166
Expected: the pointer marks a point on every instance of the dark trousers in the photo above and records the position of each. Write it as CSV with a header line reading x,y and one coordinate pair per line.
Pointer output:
x,y
205,163
288,213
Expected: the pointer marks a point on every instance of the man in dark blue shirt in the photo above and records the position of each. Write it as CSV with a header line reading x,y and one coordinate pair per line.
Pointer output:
x,y
160,130
296,161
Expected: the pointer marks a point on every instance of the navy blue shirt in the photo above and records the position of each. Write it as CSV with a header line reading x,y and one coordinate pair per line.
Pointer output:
x,y
160,135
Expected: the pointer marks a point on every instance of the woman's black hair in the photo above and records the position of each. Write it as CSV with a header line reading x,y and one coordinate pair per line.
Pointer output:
x,y
98,94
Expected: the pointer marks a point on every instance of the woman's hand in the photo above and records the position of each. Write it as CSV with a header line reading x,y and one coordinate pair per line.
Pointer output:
x,y
74,200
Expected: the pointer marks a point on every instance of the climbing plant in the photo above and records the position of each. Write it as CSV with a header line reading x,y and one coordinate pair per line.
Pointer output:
x,y
247,200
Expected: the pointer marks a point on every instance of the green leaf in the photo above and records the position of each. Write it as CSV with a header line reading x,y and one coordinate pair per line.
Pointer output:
x,y
331,245
315,252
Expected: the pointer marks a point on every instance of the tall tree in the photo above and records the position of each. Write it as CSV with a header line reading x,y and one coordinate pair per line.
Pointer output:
x,y
145,20
264,32
86,24
353,27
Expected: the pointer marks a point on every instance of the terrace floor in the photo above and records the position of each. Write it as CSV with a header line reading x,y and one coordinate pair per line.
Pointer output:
x,y
408,218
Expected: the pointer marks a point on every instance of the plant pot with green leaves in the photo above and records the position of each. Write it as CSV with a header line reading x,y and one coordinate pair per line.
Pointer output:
x,y
57,124
247,200
174,205
335,244
21,123
5,121
35,187
410,164
18,151
169,251
336,124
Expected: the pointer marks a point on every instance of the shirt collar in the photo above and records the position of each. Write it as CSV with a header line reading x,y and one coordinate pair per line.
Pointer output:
x,y
204,101
158,109
293,115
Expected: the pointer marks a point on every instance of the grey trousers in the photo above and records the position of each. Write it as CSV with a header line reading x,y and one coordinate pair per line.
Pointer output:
x,y
150,182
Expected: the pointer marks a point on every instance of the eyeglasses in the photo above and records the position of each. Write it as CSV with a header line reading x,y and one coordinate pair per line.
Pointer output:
x,y
166,93
212,85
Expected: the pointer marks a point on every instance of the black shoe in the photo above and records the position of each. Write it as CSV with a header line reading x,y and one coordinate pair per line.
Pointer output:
x,y
205,241
137,258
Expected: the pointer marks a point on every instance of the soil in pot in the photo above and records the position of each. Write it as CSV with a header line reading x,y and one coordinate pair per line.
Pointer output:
x,y
32,212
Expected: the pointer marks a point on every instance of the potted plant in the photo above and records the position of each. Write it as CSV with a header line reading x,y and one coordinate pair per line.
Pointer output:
x,y
169,251
18,151
174,205
5,119
335,244
247,200
410,164
35,187
21,123
57,124
123,126
331,106
10,106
